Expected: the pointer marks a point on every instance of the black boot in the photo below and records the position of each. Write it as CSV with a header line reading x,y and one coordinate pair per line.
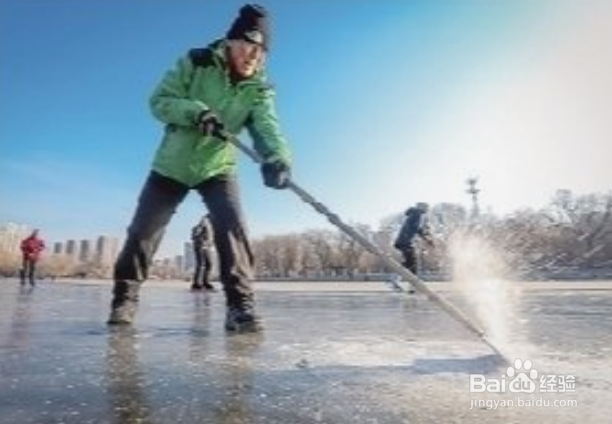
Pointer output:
x,y
209,287
243,319
124,304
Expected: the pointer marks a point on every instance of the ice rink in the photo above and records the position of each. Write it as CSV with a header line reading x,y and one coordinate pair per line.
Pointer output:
x,y
335,353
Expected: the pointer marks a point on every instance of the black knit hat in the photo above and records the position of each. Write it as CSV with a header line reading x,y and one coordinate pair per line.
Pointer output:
x,y
251,25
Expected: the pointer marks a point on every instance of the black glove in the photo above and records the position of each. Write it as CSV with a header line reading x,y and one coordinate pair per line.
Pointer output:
x,y
208,123
276,174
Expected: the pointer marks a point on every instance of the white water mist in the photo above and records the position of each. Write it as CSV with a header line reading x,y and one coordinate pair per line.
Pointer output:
x,y
480,274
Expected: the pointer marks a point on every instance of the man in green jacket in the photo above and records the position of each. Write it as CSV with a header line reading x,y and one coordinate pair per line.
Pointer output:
x,y
211,92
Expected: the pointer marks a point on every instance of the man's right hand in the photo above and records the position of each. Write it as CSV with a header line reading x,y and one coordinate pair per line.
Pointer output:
x,y
208,123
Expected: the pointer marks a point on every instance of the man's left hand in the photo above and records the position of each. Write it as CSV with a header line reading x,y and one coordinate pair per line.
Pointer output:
x,y
276,174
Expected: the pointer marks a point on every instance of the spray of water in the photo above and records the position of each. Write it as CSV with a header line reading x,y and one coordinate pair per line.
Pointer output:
x,y
479,274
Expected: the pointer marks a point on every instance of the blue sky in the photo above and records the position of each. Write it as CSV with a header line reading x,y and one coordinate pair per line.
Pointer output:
x,y
385,103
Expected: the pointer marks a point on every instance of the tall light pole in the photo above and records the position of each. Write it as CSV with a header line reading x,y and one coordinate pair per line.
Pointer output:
x,y
473,192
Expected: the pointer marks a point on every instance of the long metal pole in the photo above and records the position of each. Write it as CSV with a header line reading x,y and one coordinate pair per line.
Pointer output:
x,y
372,248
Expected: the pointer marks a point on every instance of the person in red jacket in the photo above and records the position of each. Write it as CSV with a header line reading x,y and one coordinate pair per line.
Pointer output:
x,y
31,247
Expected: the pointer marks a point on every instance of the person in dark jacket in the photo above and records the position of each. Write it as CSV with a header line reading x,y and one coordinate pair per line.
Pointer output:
x,y
31,248
202,242
210,93
415,226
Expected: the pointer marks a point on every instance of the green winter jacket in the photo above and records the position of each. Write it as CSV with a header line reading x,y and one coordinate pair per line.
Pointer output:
x,y
200,81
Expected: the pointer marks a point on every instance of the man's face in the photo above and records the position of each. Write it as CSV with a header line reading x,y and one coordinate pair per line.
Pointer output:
x,y
245,57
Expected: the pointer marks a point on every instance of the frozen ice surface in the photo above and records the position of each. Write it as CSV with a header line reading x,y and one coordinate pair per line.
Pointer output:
x,y
331,353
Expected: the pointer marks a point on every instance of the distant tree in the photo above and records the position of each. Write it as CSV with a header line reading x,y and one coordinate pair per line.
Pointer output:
x,y
267,252
351,253
323,248
10,262
279,255
585,224
58,265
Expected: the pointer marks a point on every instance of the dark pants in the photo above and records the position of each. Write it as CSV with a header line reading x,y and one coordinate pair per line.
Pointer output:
x,y
411,257
28,269
158,201
203,266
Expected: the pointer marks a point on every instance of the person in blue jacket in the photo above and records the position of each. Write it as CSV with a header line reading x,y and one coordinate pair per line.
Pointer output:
x,y
415,226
